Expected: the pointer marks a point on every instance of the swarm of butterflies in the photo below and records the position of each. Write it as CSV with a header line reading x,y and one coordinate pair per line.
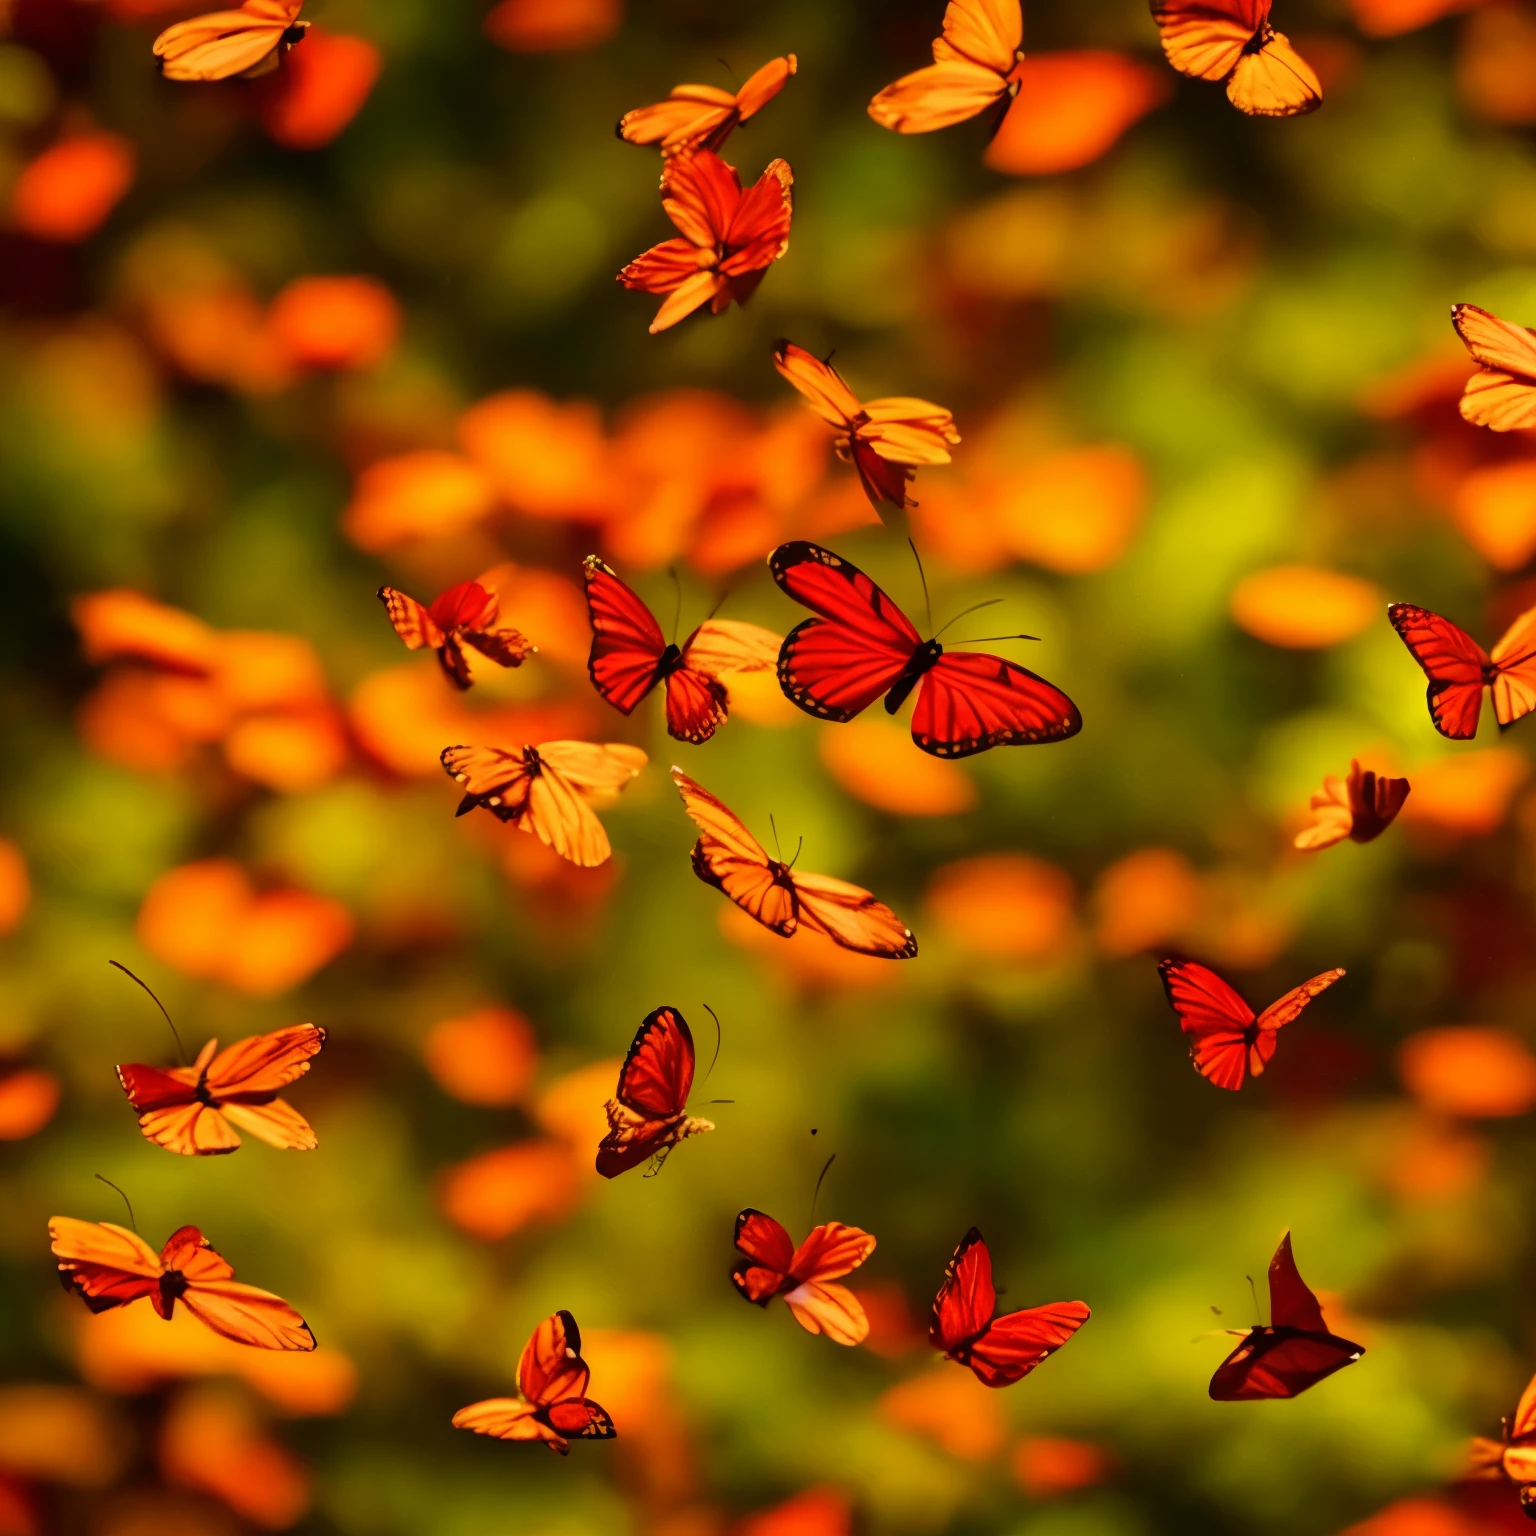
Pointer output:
x,y
857,647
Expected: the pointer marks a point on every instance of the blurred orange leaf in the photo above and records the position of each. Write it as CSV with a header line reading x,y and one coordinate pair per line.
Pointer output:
x,y
1145,900
544,458
551,26
212,1441
123,625
334,323
1303,608
1005,906
320,88
893,1331
487,1056
1388,18
1433,1160
15,886
61,1434
498,1193
1495,509
1465,793
949,1407
876,762
1419,1516
1469,1071
67,192
1047,1466
816,1512
571,1107
428,494
28,1099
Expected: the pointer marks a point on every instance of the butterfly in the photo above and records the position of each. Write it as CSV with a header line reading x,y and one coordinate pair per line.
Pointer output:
x,y
976,65
727,239
463,615
883,439
223,45
1502,393
629,657
729,858
695,117
863,645
1000,1350
804,1276
647,1115
1458,669
1227,1043
1360,808
194,1110
109,1266
1232,40
553,1406
1294,1352
1514,1456
545,790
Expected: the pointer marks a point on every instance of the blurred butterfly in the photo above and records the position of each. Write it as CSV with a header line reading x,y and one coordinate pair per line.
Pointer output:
x,y
194,1110
1360,808
647,1115
976,65
727,239
863,645
223,45
883,439
1232,40
629,657
1000,1350
1458,669
804,1276
552,1378
1294,1352
109,1266
1227,1042
463,615
729,858
1502,393
695,117
1514,1456
546,790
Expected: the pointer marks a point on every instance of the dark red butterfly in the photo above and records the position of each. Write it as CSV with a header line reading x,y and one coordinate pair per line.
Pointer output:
x,y
1294,1352
1458,669
647,1116
467,614
862,645
1000,1350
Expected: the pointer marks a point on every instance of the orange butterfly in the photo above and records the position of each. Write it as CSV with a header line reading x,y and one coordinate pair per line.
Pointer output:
x,y
729,858
190,1109
1360,808
1514,1456
1502,393
463,615
804,1276
1227,1042
552,1378
695,117
545,790
648,1113
1232,40
109,1266
225,45
727,238
883,439
976,64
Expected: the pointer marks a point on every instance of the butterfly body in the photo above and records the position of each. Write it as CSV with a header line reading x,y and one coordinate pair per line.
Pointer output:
x,y
805,1276
465,615
648,1114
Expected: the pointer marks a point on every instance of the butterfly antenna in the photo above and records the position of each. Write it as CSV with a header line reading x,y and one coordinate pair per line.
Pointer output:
x,y
798,847
988,639
826,362
181,1049
1253,1290
966,612
658,1162
716,1057
816,1194
725,64
922,576
126,1201
677,612
778,851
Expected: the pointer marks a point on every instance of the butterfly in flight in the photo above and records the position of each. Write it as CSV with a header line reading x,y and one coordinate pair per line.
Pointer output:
x,y
1360,808
109,1266
463,615
547,790
1513,1457
1458,669
727,238
883,439
1232,40
805,1276
648,1113
224,45
977,64
553,1406
1502,393
695,117
729,858
966,1328
1226,1041
630,656
862,645
1294,1352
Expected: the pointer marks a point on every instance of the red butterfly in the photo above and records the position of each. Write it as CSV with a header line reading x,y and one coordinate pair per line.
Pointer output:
x,y
630,657
1458,669
552,1378
863,645
804,1276
1295,1352
463,615
1000,1350
647,1116
1227,1042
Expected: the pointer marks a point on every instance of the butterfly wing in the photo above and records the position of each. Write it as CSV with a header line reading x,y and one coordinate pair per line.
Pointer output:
x,y
820,383
495,781
1205,39
769,1252
1274,82
578,1418
1214,1017
1373,802
1291,1302
504,1418
239,1312
551,1367
657,1075
1014,1344
1514,688
967,1298
987,32
831,1251
226,44
627,644
192,1129
1455,664
412,622
697,701
105,1265
729,858
763,85
505,645
561,819
758,232
1279,1363
259,1066
598,769
938,96
700,194
692,117
851,917
1502,395
823,1306
1281,1012
969,702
